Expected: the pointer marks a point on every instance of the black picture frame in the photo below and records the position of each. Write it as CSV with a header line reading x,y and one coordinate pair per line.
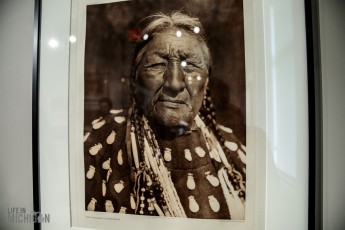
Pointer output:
x,y
314,110
315,114
35,109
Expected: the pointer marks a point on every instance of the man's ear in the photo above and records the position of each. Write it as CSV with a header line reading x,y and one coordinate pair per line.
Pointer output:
x,y
208,79
206,84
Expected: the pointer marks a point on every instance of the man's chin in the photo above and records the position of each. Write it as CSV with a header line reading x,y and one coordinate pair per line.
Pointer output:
x,y
172,118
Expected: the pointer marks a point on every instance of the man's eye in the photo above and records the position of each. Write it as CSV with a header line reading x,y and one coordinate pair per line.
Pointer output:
x,y
156,65
189,65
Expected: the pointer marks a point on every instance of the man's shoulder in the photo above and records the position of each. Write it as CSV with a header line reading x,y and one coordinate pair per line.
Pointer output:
x,y
236,149
229,135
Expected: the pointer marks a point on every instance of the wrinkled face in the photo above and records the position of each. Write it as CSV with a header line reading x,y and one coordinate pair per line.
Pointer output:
x,y
171,79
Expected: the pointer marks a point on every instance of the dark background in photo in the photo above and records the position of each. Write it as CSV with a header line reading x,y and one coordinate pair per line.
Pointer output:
x,y
110,33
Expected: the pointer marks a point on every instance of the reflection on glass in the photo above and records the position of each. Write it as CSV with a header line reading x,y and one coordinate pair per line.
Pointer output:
x,y
72,39
146,36
196,29
53,43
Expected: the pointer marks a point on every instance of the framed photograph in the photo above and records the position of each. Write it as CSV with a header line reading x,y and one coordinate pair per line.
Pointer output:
x,y
160,114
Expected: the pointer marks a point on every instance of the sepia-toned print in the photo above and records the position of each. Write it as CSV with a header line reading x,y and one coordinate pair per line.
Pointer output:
x,y
164,128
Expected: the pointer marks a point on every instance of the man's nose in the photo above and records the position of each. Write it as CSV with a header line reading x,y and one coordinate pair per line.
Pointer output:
x,y
174,78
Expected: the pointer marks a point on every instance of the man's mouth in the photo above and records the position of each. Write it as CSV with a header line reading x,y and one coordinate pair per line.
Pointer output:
x,y
171,103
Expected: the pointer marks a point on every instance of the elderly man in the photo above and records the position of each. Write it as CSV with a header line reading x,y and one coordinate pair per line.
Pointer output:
x,y
167,155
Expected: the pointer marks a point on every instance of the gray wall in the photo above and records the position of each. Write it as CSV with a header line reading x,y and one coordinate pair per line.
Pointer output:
x,y
332,28
16,36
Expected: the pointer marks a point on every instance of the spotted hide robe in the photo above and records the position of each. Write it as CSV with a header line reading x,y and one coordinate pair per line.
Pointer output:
x,y
205,186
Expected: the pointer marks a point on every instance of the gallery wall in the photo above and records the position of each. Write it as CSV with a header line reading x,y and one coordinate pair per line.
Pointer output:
x,y
16,36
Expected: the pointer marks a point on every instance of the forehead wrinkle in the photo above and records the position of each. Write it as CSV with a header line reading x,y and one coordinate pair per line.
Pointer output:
x,y
190,56
167,53
172,52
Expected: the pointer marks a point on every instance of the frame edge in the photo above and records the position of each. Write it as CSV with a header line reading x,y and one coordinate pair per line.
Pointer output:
x,y
35,110
315,114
